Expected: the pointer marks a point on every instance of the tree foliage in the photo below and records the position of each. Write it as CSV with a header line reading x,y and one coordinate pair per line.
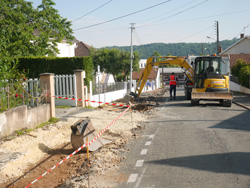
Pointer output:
x,y
115,62
29,31
244,76
177,49
241,70
237,66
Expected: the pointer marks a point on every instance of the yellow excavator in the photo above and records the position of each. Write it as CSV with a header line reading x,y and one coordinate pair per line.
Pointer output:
x,y
207,77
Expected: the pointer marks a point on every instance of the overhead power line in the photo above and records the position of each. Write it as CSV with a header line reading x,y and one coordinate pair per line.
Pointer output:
x,y
124,15
175,14
92,11
242,30
197,18
196,33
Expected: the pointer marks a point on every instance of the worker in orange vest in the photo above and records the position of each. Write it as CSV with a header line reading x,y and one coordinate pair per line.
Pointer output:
x,y
172,83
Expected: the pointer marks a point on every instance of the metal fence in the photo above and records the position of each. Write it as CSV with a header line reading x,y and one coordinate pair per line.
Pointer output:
x,y
65,86
107,87
17,93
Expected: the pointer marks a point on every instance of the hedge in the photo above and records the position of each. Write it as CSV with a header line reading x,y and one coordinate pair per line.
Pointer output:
x,y
241,70
34,66
244,76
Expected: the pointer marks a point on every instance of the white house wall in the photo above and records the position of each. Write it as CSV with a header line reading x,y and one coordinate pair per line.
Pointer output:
x,y
66,50
142,63
158,82
242,47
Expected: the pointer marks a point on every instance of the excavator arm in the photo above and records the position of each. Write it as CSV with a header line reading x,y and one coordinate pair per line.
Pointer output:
x,y
165,60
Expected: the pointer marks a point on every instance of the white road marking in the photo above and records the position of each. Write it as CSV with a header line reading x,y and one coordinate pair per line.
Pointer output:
x,y
139,163
132,178
152,136
140,178
148,143
144,151
156,131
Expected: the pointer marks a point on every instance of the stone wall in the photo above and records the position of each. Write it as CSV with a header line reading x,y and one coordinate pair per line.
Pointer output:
x,y
22,117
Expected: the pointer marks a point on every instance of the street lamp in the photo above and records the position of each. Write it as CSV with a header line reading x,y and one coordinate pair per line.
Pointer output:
x,y
211,38
218,46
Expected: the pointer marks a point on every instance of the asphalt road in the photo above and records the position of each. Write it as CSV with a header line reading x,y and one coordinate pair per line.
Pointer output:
x,y
207,146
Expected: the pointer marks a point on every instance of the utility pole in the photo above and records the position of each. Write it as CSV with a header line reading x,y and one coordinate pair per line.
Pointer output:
x,y
131,55
217,33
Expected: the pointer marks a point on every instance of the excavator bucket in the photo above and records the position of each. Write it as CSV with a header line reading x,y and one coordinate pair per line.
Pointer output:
x,y
83,129
212,95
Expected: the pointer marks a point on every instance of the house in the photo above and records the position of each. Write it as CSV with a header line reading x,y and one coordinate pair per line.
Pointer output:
x,y
142,63
104,78
239,50
82,49
66,49
240,47
76,49
165,72
154,77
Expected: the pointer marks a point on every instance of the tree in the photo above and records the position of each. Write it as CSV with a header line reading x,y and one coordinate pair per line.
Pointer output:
x,y
157,54
125,60
29,31
115,62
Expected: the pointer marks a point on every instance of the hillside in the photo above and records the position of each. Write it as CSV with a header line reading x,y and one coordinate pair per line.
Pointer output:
x,y
177,49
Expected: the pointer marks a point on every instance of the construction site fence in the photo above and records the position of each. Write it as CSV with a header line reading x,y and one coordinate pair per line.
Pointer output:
x,y
107,87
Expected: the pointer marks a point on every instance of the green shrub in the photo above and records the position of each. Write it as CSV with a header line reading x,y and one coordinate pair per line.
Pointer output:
x,y
244,76
241,70
34,66
235,69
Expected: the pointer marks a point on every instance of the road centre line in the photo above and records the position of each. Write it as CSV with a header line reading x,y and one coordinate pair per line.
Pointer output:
x,y
139,163
144,151
153,135
148,143
140,178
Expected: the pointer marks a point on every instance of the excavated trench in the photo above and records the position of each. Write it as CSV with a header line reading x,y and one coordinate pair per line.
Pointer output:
x,y
107,158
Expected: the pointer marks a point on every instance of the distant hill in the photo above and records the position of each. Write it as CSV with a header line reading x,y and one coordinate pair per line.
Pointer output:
x,y
177,49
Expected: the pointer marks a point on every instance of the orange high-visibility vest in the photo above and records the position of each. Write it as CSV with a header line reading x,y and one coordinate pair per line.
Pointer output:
x,y
172,80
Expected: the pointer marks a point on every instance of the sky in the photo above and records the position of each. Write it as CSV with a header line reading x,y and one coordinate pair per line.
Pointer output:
x,y
101,23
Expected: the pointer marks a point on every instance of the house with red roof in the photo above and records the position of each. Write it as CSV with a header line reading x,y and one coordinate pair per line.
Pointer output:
x,y
239,50
82,49
153,81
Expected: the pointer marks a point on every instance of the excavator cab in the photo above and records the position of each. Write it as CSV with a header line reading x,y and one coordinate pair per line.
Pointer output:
x,y
208,68
211,80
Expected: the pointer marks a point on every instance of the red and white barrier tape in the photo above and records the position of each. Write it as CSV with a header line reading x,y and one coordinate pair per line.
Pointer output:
x,y
108,103
76,151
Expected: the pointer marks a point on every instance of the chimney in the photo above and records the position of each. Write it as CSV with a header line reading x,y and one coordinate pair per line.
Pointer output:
x,y
242,35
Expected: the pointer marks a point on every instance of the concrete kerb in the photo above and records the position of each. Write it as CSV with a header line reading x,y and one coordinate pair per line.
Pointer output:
x,y
241,105
241,99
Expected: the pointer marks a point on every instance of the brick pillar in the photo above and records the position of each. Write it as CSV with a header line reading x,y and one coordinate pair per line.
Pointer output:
x,y
80,75
47,86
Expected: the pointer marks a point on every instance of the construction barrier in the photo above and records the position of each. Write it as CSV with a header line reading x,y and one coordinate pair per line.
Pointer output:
x,y
108,103
87,144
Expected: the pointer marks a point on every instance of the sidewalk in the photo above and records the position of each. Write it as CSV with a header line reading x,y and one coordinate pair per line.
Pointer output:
x,y
241,99
61,112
